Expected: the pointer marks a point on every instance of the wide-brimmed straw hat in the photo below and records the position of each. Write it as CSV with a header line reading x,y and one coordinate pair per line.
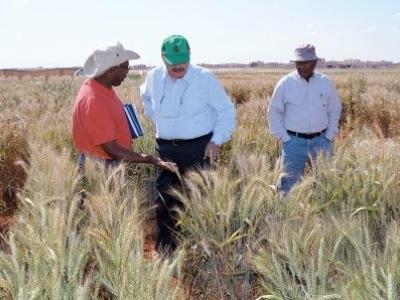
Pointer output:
x,y
102,60
305,53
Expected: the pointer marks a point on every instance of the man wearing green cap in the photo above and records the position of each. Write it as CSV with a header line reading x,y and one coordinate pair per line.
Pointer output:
x,y
193,117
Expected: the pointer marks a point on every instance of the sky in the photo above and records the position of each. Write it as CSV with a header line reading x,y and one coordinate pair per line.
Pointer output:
x,y
52,33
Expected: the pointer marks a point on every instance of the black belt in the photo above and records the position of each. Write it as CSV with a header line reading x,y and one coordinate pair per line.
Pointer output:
x,y
182,141
306,135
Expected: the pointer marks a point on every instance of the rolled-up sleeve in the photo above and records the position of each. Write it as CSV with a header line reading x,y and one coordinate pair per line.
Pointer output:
x,y
145,94
224,108
334,111
275,114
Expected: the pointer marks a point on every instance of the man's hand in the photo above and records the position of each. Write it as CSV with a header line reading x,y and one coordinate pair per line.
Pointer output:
x,y
212,151
166,165
169,166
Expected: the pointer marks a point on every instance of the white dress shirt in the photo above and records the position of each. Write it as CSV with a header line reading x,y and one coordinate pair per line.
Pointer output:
x,y
189,107
305,107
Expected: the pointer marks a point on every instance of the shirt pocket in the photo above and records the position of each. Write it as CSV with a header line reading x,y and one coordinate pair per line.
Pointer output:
x,y
323,98
170,107
194,103
295,98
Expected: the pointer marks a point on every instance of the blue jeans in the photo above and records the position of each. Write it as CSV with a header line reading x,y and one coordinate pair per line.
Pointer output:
x,y
296,153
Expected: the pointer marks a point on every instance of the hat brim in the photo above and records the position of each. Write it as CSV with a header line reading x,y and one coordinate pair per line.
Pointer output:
x,y
177,59
130,55
91,71
303,59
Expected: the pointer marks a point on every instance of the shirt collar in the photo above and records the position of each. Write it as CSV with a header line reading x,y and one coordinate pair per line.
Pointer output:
x,y
313,77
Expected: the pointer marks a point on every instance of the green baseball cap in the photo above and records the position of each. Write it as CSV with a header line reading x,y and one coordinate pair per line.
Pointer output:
x,y
175,50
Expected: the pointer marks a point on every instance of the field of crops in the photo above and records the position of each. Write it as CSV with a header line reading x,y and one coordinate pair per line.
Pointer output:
x,y
337,235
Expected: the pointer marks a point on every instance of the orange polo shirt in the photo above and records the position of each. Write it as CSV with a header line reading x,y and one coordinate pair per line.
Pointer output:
x,y
98,117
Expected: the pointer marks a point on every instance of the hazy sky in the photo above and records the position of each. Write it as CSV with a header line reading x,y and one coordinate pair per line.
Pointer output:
x,y
52,33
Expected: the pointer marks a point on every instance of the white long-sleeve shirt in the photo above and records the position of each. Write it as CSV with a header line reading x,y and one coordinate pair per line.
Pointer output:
x,y
189,107
305,107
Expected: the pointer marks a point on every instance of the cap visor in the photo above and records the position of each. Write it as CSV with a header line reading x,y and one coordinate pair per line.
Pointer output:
x,y
177,59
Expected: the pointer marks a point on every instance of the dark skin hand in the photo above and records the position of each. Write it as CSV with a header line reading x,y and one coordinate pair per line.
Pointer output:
x,y
117,152
306,68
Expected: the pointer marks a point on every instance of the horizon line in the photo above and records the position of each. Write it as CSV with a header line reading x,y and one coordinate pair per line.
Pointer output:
x,y
347,60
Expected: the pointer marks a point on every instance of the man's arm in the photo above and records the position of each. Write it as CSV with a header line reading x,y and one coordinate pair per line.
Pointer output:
x,y
145,95
275,114
117,152
225,111
334,110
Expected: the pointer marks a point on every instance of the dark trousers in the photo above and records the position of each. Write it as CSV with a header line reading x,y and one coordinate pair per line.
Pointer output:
x,y
187,155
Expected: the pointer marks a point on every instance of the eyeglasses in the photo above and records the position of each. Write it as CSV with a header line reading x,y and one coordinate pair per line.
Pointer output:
x,y
180,97
167,112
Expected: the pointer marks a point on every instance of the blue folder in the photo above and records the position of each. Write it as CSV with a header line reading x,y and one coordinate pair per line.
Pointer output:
x,y
133,120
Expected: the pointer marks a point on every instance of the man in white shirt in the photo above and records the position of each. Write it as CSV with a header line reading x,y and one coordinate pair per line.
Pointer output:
x,y
304,114
193,117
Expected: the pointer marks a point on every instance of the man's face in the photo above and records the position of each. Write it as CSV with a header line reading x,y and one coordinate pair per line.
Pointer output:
x,y
306,68
176,71
119,73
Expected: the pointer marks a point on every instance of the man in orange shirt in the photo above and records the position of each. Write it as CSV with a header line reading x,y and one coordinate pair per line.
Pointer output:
x,y
100,128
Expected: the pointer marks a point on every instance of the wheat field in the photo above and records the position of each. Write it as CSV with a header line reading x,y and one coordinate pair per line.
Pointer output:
x,y
336,236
